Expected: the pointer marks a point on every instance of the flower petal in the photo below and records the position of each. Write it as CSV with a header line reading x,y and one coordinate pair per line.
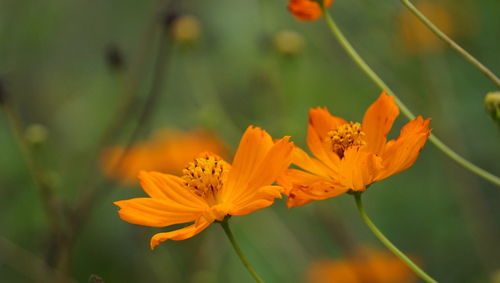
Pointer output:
x,y
277,159
401,153
307,10
264,197
155,212
322,121
304,161
378,121
302,187
254,146
171,188
359,168
180,234
275,162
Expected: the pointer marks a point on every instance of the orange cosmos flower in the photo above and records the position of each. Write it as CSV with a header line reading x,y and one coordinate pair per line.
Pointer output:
x,y
349,155
307,10
371,266
167,151
211,188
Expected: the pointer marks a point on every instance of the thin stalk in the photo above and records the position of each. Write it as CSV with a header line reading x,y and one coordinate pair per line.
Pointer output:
x,y
50,203
487,72
388,243
225,225
381,84
86,203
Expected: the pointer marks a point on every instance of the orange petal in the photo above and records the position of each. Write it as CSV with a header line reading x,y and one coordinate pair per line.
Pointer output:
x,y
322,121
359,168
302,187
155,212
304,161
276,161
252,206
378,121
401,153
180,234
254,146
307,10
171,188
264,197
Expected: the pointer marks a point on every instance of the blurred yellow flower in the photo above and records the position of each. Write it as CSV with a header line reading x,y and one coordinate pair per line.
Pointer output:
x,y
307,10
419,38
371,266
351,156
167,151
211,188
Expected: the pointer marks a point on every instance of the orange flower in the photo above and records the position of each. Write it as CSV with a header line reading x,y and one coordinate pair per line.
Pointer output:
x,y
210,188
167,151
371,266
351,156
307,10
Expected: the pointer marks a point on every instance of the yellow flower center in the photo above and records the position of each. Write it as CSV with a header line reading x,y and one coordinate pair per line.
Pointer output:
x,y
204,176
345,136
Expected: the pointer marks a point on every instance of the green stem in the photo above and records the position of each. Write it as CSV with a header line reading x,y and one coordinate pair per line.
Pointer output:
x,y
50,203
487,72
95,192
388,243
381,84
229,234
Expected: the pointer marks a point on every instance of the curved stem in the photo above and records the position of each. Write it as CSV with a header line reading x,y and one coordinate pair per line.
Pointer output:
x,y
49,200
96,191
380,83
229,234
388,243
487,72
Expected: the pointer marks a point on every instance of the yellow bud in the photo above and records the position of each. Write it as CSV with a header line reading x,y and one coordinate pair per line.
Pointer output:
x,y
492,105
186,29
289,42
36,134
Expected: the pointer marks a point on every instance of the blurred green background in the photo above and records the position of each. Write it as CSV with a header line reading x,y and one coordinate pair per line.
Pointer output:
x,y
55,69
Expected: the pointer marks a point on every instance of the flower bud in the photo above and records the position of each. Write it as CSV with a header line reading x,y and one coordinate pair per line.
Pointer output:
x,y
492,105
114,58
186,29
36,134
288,42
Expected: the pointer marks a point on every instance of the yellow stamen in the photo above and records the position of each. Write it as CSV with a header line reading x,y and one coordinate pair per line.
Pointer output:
x,y
345,136
204,176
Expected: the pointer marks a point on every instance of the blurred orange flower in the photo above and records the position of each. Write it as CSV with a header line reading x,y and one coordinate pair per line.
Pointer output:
x,y
349,155
371,266
167,152
211,188
419,38
307,10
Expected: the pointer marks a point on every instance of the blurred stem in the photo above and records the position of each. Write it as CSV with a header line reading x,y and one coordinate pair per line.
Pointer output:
x,y
225,225
27,263
487,72
50,203
388,243
85,205
380,83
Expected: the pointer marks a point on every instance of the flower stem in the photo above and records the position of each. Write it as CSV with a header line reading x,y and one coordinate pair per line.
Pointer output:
x,y
49,200
229,234
487,72
381,84
388,243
